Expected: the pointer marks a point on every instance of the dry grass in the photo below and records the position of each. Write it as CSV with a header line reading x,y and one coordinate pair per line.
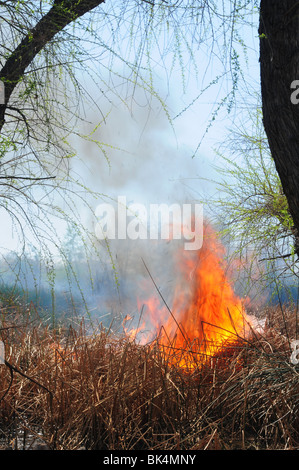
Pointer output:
x,y
71,390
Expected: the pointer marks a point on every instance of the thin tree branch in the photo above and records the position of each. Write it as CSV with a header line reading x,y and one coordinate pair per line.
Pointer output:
x,y
6,177
276,257
62,13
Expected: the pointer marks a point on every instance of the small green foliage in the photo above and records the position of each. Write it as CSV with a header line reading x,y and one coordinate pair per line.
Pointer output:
x,y
250,207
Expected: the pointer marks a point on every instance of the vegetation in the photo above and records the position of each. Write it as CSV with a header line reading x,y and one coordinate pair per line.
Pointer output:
x,y
252,215
72,389
73,384
59,91
254,208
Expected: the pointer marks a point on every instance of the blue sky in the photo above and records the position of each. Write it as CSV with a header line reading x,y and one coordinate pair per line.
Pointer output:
x,y
155,162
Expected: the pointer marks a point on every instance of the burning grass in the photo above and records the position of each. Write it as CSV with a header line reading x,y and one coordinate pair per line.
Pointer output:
x,y
71,389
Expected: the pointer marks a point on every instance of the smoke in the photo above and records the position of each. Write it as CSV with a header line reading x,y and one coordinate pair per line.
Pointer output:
x,y
144,161
142,157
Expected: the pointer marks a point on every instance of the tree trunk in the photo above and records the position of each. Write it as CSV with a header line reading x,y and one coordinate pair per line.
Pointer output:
x,y
62,13
279,65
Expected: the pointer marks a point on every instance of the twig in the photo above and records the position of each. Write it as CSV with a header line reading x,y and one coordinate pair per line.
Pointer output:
x,y
276,257
9,386
159,292
12,177
13,368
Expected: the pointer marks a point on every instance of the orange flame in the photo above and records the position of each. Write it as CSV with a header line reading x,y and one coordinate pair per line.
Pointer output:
x,y
206,314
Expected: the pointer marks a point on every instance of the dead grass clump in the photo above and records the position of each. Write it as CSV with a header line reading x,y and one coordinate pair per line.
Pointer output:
x,y
72,389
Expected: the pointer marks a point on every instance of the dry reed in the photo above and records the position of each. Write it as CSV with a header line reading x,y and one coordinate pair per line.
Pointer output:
x,y
72,390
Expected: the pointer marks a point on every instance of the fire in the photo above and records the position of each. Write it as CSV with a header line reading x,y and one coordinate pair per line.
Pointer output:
x,y
205,316
62,354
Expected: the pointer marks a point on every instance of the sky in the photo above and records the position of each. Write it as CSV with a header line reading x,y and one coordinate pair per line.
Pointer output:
x,y
153,160
156,163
